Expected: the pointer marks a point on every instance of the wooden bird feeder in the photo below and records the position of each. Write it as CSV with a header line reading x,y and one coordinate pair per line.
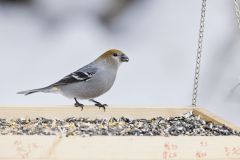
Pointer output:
x,y
35,147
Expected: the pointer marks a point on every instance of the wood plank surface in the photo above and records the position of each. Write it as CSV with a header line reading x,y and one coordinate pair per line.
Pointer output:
x,y
115,147
118,148
89,111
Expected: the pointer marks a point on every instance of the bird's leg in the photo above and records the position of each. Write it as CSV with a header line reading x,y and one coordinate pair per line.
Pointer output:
x,y
77,104
98,104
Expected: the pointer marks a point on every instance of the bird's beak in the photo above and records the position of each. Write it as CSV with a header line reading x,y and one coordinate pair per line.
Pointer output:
x,y
124,58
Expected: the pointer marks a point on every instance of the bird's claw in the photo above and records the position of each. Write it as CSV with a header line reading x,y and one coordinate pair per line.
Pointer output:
x,y
79,105
99,105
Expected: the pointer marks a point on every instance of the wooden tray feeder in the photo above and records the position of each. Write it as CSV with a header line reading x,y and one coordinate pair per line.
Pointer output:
x,y
35,147
116,147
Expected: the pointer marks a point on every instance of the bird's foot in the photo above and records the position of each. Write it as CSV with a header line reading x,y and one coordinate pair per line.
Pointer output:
x,y
77,104
99,105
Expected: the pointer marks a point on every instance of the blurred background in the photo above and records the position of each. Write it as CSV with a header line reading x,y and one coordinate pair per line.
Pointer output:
x,y
42,41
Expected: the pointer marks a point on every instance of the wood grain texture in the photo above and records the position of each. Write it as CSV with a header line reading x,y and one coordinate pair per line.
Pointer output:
x,y
115,147
88,111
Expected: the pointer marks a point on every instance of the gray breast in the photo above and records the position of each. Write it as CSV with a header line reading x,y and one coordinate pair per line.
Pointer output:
x,y
96,86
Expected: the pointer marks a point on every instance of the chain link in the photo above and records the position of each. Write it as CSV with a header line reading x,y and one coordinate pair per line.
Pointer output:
x,y
237,7
199,53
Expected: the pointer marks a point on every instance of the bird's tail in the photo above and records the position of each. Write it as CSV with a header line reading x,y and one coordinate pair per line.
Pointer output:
x,y
45,89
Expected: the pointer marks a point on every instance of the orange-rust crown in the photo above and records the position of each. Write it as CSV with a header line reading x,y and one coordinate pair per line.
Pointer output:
x,y
109,53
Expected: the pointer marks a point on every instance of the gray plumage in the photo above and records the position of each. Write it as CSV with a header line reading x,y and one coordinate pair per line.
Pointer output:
x,y
90,81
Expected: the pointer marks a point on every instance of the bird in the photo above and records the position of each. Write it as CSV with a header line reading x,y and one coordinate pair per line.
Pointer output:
x,y
88,82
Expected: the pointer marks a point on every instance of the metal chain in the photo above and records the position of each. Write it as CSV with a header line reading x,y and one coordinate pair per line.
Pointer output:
x,y
199,54
237,7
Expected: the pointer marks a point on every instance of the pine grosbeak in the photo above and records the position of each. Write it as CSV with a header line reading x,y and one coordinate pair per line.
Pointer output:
x,y
90,81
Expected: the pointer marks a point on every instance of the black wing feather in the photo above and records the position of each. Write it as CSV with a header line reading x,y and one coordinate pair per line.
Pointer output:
x,y
81,75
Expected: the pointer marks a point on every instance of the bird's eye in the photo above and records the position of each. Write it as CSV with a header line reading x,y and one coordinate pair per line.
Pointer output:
x,y
115,54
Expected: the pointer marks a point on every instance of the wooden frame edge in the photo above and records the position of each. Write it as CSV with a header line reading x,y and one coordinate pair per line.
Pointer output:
x,y
206,115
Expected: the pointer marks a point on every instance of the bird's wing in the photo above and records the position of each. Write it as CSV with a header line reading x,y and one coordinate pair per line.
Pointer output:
x,y
81,75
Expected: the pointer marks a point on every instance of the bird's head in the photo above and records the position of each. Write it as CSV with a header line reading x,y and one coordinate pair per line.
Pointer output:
x,y
113,57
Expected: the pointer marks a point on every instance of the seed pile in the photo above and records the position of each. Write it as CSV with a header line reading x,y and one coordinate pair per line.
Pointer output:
x,y
187,124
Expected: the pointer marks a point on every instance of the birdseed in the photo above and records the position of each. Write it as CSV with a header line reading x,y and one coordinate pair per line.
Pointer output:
x,y
186,125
